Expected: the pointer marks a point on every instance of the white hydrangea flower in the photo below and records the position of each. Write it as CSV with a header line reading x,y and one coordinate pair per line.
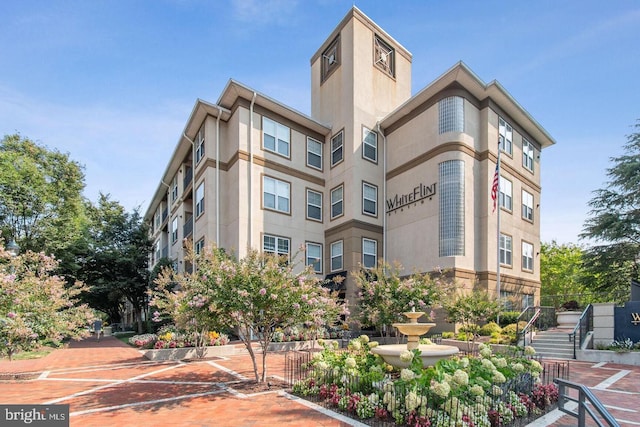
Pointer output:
x,y
529,351
518,367
485,352
407,375
476,390
461,377
498,377
350,362
441,389
411,401
464,362
500,362
406,356
496,391
364,338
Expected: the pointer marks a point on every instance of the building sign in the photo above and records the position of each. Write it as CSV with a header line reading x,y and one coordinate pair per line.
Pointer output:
x,y
627,321
419,194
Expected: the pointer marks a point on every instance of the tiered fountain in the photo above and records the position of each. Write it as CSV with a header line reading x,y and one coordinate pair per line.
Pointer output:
x,y
429,353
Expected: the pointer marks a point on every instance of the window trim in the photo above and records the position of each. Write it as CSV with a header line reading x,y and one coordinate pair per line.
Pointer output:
x,y
276,139
306,256
199,246
200,148
375,187
307,205
507,129
522,264
174,230
502,196
523,206
275,209
341,256
200,203
341,135
388,65
320,168
327,68
332,216
375,254
277,239
509,251
366,132
174,189
525,155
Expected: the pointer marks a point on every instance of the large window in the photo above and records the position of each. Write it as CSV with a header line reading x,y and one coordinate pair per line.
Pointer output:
x,y
314,153
336,148
506,250
527,205
451,114
451,208
384,56
174,230
200,199
314,256
336,255
506,194
276,245
314,205
506,136
174,189
369,145
369,253
527,154
276,194
276,137
199,145
369,199
336,202
527,256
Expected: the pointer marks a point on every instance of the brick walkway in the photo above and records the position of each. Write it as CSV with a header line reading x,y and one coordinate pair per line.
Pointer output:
x,y
108,383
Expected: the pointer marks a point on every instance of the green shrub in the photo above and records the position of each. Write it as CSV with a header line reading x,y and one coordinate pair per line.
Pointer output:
x,y
508,317
489,329
447,335
464,336
471,328
510,330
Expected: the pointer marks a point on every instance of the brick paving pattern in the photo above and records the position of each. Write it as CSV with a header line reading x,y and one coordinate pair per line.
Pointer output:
x,y
107,383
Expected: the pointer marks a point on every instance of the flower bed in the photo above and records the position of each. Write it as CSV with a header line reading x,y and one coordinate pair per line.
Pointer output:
x,y
189,352
487,391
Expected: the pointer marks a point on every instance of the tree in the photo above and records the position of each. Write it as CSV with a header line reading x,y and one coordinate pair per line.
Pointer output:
x,y
252,296
562,274
37,307
384,296
41,203
615,221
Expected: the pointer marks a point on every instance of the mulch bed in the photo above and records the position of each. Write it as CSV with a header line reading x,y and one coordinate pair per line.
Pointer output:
x,y
251,387
18,376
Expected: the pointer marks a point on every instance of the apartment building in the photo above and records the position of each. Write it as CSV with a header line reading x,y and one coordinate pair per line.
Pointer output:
x,y
375,172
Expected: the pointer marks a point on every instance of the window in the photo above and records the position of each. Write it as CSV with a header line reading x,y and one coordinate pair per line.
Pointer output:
x,y
384,56
527,154
369,145
369,199
527,205
200,199
527,256
174,189
314,153
275,194
174,230
527,300
275,245
451,114
506,136
506,194
314,256
369,253
506,249
314,205
199,145
156,221
336,255
451,208
199,246
336,202
330,58
276,137
508,300
336,149
156,251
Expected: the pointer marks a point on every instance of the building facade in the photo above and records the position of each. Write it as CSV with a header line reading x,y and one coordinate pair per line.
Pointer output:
x,y
374,172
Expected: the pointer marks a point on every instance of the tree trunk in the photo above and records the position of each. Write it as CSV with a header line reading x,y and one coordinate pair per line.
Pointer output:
x,y
245,337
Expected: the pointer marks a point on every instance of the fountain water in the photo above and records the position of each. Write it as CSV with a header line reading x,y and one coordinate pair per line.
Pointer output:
x,y
429,353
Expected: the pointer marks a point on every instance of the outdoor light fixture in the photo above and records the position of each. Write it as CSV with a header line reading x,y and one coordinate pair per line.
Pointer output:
x,y
13,248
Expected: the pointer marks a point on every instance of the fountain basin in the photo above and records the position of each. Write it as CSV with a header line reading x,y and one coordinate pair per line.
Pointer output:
x,y
429,353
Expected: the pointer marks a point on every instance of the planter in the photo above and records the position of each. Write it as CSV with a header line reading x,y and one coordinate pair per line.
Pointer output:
x,y
189,352
568,319
107,331
609,356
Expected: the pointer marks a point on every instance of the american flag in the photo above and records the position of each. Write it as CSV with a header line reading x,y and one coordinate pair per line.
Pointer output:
x,y
494,187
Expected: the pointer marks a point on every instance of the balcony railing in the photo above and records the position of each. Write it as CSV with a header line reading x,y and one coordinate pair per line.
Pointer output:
x,y
188,227
165,213
188,176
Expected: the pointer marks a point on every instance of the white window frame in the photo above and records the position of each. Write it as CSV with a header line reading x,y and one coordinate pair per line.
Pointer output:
x,y
506,250
505,194
527,256
527,205
174,189
337,252
316,262
337,148
315,205
368,200
199,246
369,142
199,146
314,152
339,201
174,230
280,191
277,250
200,199
367,253
281,137
528,151
505,130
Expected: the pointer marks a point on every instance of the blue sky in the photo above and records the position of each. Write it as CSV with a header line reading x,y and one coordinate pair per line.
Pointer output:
x,y
112,82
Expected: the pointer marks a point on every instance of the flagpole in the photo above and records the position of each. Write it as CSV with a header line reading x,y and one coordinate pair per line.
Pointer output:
x,y
498,233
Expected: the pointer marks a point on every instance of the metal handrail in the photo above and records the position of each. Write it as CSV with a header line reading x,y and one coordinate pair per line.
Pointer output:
x,y
584,325
584,396
529,327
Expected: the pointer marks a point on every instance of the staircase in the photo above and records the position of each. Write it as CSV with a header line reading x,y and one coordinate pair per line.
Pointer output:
x,y
553,344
